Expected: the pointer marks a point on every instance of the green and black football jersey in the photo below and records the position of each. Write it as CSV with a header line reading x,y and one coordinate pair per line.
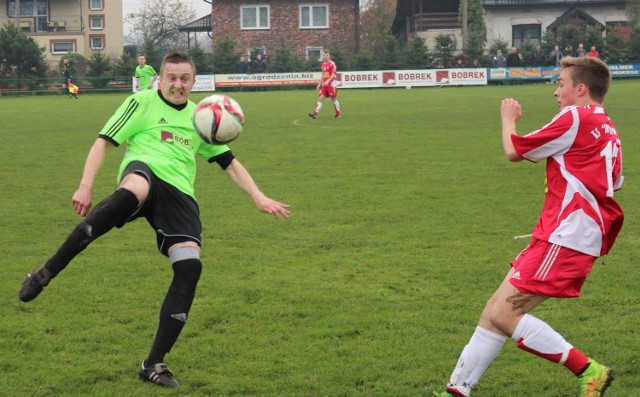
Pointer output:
x,y
160,135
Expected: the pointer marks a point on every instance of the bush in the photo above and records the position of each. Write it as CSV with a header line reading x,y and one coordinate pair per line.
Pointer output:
x,y
99,68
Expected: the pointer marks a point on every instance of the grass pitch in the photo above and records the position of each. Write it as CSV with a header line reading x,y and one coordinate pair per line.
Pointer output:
x,y
403,218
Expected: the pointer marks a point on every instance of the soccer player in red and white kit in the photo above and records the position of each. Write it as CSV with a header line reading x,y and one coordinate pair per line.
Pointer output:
x,y
579,223
326,85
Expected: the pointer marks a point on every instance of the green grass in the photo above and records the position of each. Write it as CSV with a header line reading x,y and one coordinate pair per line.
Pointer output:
x,y
402,225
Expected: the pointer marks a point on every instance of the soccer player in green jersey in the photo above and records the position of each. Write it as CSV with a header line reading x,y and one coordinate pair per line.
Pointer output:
x,y
155,181
145,74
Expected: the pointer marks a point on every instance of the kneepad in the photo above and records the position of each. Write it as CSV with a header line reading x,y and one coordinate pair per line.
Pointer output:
x,y
181,253
186,266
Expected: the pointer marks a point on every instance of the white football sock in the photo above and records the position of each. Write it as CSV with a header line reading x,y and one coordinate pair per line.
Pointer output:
x,y
537,337
336,105
483,347
318,107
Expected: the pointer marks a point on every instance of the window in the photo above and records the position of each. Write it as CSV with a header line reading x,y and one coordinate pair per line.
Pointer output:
x,y
96,42
62,47
96,5
314,16
314,53
254,17
36,10
96,23
525,33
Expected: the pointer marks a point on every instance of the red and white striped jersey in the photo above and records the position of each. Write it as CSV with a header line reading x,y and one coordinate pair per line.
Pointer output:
x,y
328,68
584,168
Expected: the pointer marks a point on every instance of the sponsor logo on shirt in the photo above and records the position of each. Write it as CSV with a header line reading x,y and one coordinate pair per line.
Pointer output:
x,y
168,137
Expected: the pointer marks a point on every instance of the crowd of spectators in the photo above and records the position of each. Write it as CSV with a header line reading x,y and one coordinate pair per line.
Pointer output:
x,y
538,57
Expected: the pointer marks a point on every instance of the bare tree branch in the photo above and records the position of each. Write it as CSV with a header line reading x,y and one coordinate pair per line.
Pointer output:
x,y
158,24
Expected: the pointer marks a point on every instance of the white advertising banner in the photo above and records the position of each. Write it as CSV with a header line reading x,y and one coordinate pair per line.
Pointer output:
x,y
409,78
205,82
461,77
404,78
358,80
267,79
364,79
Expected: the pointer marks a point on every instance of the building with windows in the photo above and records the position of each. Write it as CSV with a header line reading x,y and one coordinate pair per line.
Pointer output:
x,y
513,21
516,21
306,27
64,26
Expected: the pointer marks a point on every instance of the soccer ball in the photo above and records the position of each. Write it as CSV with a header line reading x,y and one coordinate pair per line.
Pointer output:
x,y
218,119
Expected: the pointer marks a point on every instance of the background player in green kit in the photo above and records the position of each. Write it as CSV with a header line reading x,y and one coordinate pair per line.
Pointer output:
x,y
145,74
155,181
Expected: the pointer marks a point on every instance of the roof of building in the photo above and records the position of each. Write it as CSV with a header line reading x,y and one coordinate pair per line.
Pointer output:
x,y
576,14
529,3
199,25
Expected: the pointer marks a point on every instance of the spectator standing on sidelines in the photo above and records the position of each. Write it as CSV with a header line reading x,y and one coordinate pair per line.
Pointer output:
x,y
555,56
568,51
593,52
581,51
580,221
538,58
498,61
242,67
513,59
260,66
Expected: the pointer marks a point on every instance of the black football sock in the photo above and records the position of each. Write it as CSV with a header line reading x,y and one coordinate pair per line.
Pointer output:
x,y
175,308
112,211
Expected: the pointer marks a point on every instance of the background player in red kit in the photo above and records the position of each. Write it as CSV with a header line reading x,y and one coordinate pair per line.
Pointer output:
x,y
579,223
327,86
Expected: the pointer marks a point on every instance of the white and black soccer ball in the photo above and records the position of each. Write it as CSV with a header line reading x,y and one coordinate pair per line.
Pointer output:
x,y
218,119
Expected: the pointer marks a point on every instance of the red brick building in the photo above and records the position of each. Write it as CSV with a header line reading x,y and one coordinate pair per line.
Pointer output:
x,y
308,27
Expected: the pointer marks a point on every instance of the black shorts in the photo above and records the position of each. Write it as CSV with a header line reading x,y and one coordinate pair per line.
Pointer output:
x,y
174,215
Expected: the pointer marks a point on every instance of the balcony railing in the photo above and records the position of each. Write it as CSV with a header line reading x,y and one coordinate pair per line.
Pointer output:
x,y
434,20
45,24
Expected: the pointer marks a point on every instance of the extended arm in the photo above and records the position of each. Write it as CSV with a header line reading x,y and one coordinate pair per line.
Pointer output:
x,y
241,177
510,112
82,197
